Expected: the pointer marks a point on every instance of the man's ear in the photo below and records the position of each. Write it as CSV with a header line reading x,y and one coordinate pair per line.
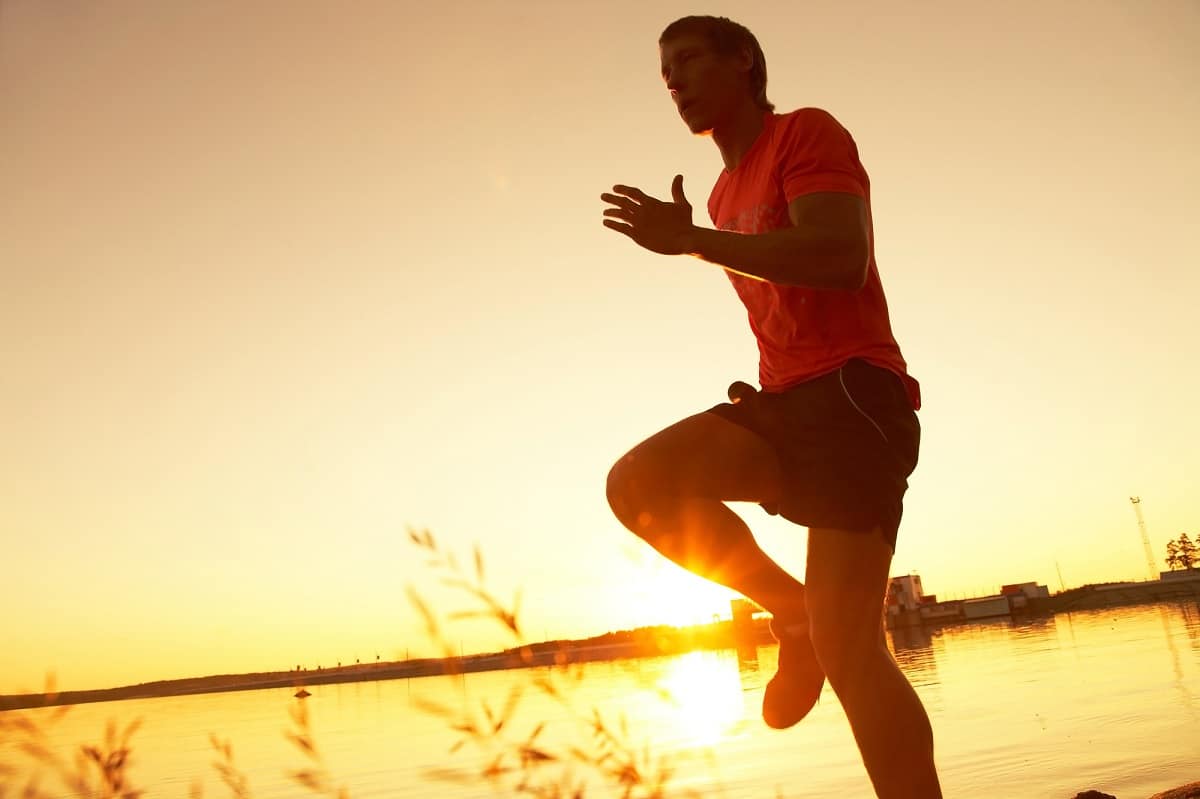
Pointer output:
x,y
745,60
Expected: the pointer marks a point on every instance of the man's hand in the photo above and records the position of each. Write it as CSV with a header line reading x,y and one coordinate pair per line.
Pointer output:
x,y
662,227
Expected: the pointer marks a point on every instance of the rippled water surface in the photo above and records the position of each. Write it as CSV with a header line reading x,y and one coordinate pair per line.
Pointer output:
x,y
1102,699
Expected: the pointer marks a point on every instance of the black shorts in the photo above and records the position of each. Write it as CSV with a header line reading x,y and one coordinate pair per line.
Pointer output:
x,y
847,442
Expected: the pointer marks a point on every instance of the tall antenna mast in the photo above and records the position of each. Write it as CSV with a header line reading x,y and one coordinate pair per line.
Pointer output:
x,y
1137,508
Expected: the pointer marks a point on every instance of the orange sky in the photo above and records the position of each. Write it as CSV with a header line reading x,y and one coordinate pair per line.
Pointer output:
x,y
279,279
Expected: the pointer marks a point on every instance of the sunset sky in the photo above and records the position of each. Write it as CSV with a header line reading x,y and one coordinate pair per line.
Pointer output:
x,y
281,279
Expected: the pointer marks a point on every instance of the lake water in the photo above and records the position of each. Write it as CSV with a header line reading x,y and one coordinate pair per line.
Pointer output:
x,y
1106,699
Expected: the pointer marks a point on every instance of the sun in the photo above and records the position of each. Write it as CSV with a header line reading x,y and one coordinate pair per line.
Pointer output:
x,y
673,596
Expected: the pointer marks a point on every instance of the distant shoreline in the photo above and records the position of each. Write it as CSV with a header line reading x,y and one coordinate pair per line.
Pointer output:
x,y
640,642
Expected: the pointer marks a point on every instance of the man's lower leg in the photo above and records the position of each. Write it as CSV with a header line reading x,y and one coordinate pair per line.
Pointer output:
x,y
707,538
890,725
847,583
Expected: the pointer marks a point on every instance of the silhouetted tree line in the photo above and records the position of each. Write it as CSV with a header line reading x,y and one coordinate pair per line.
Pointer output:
x,y
1181,553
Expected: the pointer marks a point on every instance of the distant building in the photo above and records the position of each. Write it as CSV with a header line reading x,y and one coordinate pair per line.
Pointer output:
x,y
1019,594
986,607
1180,574
745,631
742,612
941,611
904,593
908,604
1027,590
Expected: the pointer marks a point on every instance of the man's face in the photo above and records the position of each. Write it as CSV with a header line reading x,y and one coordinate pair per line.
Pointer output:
x,y
704,85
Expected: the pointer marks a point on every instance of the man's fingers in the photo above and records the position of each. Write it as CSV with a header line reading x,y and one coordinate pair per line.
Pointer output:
x,y
623,214
619,201
619,227
632,191
677,191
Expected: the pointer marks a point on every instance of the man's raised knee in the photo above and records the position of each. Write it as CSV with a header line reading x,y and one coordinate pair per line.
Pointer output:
x,y
622,493
632,496
617,489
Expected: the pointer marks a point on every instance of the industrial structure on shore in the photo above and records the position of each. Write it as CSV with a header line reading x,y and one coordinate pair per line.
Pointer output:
x,y
908,605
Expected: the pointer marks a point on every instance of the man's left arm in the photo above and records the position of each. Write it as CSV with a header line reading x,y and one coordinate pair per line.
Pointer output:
x,y
827,245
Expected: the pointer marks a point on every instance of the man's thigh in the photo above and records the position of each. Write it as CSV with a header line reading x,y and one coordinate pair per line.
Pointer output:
x,y
706,456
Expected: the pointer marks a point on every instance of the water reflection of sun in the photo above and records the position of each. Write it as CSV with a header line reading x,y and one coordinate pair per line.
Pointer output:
x,y
706,696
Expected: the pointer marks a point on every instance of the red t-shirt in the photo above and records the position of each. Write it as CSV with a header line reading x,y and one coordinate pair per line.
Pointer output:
x,y
804,333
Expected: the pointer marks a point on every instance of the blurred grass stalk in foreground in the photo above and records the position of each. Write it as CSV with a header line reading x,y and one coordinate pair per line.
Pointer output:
x,y
516,756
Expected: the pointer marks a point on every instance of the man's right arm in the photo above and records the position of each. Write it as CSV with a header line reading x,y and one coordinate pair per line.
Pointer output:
x,y
827,245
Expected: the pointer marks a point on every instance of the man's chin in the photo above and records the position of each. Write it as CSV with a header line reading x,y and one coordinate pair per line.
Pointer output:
x,y
699,127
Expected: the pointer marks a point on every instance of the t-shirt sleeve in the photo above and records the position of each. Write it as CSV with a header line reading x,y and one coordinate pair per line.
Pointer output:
x,y
817,154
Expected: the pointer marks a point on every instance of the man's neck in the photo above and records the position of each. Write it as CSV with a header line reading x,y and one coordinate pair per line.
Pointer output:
x,y
736,134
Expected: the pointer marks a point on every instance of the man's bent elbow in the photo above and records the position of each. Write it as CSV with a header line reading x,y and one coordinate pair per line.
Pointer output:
x,y
842,266
858,277
855,268
847,274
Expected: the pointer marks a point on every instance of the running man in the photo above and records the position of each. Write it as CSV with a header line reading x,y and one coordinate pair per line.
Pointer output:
x,y
829,440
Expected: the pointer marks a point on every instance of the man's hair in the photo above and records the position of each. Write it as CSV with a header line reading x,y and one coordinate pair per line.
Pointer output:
x,y
727,38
